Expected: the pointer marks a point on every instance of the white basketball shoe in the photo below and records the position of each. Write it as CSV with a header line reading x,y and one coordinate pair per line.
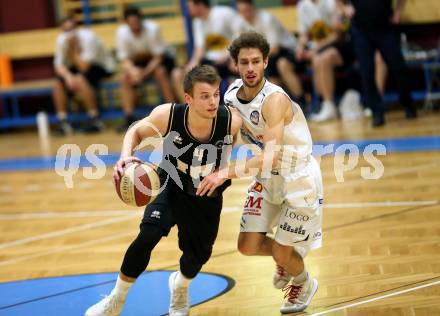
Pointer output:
x,y
109,306
299,296
328,112
280,277
179,301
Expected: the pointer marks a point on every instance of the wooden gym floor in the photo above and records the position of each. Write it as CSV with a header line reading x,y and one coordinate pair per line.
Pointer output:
x,y
381,251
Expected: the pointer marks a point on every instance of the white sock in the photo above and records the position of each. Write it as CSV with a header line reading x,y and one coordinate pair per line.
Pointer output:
x,y
181,280
121,288
301,278
328,104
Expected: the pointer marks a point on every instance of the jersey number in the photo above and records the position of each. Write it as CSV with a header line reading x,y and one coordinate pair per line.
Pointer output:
x,y
198,153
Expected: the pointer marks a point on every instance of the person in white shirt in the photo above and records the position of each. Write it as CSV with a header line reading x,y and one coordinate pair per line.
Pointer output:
x,y
81,62
214,28
143,54
287,191
324,41
282,67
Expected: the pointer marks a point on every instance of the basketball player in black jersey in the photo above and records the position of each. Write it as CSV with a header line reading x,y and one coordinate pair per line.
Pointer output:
x,y
196,135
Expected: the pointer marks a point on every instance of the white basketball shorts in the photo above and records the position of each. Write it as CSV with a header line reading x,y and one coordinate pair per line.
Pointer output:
x,y
292,203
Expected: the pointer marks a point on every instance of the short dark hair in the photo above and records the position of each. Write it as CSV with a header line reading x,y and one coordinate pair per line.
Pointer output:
x,y
251,2
250,39
68,18
132,11
200,73
206,3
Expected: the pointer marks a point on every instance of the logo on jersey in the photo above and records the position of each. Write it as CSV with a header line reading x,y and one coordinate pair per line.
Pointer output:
x,y
255,117
257,187
155,214
317,235
296,230
178,140
296,216
253,205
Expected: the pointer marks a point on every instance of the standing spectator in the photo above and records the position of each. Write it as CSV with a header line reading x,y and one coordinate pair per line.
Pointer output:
x,y
143,54
373,29
323,40
214,28
80,62
282,64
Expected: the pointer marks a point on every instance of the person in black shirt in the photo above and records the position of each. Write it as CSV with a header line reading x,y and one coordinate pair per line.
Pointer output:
x,y
196,137
373,29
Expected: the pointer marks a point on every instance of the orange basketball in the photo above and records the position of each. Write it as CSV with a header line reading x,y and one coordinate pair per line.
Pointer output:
x,y
139,184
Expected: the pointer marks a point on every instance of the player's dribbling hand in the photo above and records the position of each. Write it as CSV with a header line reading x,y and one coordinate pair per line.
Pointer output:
x,y
209,184
122,163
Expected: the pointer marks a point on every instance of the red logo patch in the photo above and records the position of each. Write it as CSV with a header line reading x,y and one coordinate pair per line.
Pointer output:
x,y
253,203
258,187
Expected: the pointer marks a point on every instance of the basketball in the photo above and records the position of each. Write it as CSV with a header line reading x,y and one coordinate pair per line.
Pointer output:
x,y
138,185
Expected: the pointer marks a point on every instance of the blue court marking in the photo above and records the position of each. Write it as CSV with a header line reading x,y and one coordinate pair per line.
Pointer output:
x,y
72,295
427,143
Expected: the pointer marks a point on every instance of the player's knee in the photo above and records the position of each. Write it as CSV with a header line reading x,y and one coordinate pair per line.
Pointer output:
x,y
190,266
138,254
148,236
281,257
246,248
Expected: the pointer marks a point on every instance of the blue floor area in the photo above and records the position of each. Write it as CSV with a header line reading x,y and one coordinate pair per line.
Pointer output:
x,y
72,295
428,143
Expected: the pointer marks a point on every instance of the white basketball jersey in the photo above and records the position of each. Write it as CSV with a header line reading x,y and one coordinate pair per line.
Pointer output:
x,y
297,141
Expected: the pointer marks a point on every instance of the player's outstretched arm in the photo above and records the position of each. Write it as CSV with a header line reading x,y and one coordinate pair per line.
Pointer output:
x,y
153,125
276,110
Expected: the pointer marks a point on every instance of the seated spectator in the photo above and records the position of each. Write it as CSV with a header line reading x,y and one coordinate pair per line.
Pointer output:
x,y
80,62
323,40
143,54
213,29
282,64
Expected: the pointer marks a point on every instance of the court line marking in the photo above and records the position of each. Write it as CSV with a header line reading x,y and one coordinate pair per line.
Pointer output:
x,y
376,298
81,245
231,209
380,204
66,248
54,214
381,216
66,231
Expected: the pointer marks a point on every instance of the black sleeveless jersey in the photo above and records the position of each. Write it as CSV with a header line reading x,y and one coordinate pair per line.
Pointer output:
x,y
187,160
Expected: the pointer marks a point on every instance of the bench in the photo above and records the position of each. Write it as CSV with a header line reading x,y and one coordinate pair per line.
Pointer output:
x,y
21,45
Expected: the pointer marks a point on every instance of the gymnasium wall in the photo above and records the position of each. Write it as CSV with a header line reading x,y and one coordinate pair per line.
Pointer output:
x,y
21,15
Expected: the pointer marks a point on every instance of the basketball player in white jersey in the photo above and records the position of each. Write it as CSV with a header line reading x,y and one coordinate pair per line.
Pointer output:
x,y
290,195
